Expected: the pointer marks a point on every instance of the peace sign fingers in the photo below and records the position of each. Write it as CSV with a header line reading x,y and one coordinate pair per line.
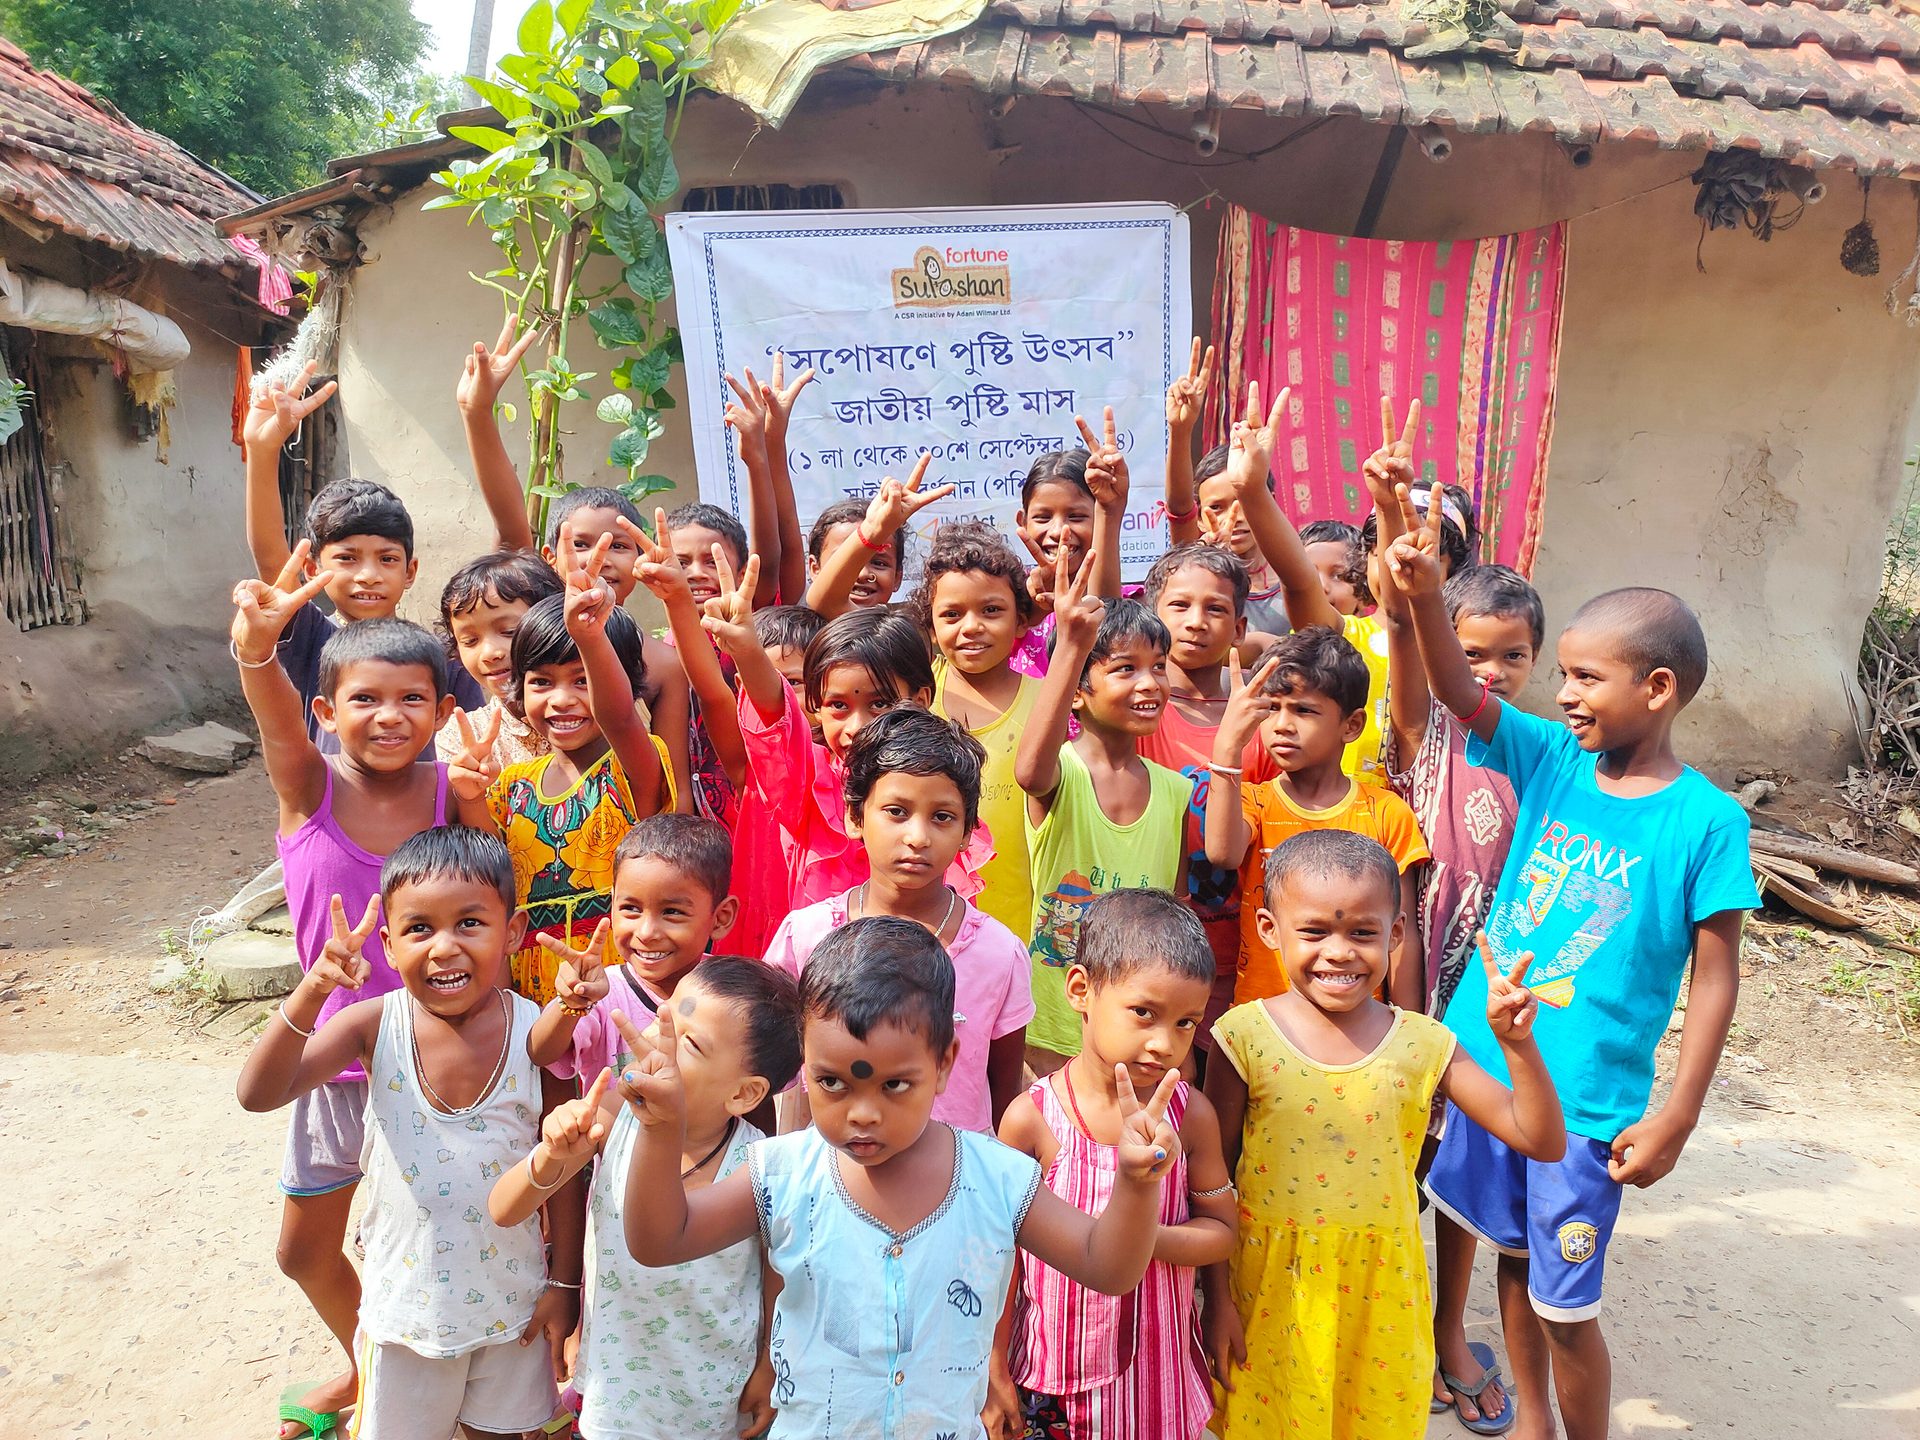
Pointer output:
x,y
1411,429
1193,361
289,576
1277,410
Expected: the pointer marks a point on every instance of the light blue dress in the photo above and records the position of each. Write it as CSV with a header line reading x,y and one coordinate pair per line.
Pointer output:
x,y
878,1335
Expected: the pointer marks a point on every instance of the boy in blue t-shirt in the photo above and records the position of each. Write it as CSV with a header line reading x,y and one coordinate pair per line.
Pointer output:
x,y
1625,864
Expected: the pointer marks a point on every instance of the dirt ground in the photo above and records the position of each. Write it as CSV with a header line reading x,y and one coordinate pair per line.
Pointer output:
x,y
1771,1286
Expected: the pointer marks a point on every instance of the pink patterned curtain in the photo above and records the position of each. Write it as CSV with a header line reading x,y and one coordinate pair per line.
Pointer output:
x,y
1472,327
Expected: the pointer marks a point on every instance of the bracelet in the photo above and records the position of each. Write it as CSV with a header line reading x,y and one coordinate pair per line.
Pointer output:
x,y
282,1013
861,532
1180,517
1486,694
1234,770
564,1284
576,1013
534,1181
1226,1189
233,649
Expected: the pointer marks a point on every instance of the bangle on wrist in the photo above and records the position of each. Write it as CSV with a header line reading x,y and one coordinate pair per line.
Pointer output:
x,y
564,1284
1486,694
860,530
1234,770
1180,517
233,649
282,1013
534,1180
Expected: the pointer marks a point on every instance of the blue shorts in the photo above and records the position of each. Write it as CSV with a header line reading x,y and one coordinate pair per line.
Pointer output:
x,y
1559,1217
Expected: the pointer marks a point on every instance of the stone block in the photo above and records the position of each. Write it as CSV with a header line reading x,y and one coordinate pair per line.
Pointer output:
x,y
209,749
250,966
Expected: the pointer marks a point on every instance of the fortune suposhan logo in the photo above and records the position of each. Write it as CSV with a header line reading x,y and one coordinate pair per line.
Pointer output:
x,y
959,275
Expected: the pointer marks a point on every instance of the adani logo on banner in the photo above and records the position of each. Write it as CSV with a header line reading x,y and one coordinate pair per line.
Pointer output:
x,y
954,277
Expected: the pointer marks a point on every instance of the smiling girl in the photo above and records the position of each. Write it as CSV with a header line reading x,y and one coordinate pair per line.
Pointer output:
x,y
480,608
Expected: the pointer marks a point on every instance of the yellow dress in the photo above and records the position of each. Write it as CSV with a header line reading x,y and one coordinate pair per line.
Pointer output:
x,y
1330,1276
1007,881
562,848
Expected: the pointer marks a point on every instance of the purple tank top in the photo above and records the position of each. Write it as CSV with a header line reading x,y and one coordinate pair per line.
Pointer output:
x,y
322,861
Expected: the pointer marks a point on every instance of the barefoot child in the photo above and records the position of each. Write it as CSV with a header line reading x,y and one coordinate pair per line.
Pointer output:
x,y
459,1322
973,601
677,1350
1305,702
575,659
1098,816
382,687
1635,864
671,877
892,1234
913,798
1091,1363
1317,1326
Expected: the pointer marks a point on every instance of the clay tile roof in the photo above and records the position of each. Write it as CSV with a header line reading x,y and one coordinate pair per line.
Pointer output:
x,y
72,161
1815,82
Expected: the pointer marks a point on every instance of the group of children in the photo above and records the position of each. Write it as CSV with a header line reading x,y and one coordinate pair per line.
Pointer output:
x,y
1026,1009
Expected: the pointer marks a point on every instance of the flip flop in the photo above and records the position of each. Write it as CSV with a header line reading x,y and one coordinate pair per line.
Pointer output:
x,y
320,1423
1489,1372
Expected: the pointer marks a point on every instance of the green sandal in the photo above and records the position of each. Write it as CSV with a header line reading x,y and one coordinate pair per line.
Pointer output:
x,y
320,1423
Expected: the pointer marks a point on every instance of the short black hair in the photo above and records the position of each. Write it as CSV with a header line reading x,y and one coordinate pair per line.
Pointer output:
x,y
881,970
963,546
449,850
1124,620
1324,854
1213,463
790,627
506,575
586,497
1064,467
697,847
1199,555
1654,630
1339,532
542,639
390,640
1125,931
911,740
712,517
886,644
1318,658
1496,590
767,1000
849,512
358,507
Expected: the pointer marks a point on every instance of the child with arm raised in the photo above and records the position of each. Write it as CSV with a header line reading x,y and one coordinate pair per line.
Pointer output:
x,y
460,1323
1323,1094
1088,1362
1098,816
1186,400
882,1223
736,1025
864,565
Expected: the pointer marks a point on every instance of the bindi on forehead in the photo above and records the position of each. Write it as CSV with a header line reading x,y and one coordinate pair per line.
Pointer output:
x,y
861,1070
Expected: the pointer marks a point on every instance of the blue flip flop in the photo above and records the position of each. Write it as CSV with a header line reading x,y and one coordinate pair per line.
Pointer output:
x,y
1489,1372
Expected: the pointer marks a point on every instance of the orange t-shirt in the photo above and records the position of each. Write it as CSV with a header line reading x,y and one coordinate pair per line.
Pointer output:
x,y
1370,810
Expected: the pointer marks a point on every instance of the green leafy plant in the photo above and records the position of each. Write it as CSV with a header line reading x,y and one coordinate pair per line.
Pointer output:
x,y
578,169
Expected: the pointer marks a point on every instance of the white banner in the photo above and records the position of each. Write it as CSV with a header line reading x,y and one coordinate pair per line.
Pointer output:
x,y
975,334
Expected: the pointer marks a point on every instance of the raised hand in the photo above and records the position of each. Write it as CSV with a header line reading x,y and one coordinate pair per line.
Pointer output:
x,y
276,409
487,370
1221,530
573,1132
581,981
1250,456
659,568
1106,474
729,615
746,413
895,504
1076,614
263,611
1392,464
1148,1142
1188,393
1413,559
340,965
472,772
778,397
651,1085
1248,702
589,598
1511,1006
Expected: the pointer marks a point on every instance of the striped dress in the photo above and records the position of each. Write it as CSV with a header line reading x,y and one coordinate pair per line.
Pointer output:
x,y
1127,1366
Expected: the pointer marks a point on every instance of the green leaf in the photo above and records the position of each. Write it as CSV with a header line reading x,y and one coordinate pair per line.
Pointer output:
x,y
649,101
648,372
485,136
551,491
629,448
508,414
591,81
570,15
623,72
651,278
615,197
523,69
595,159
659,178
442,202
567,100
643,488
616,324
615,409
535,34
628,231
510,104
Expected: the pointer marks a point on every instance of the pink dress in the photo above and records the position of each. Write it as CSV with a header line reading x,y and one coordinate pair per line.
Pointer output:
x,y
804,789
1120,1365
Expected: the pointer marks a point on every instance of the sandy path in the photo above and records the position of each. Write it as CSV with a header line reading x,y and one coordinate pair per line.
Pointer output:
x,y
1771,1287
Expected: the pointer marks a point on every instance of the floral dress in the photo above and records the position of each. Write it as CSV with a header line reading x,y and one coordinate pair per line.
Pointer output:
x,y
1330,1276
